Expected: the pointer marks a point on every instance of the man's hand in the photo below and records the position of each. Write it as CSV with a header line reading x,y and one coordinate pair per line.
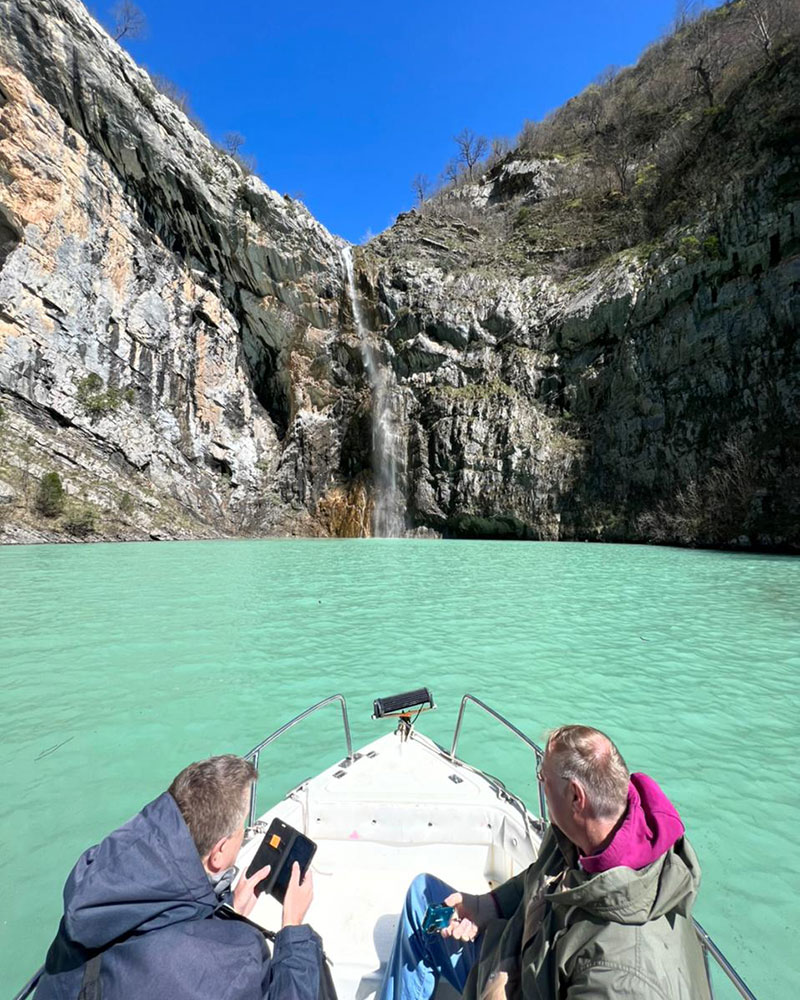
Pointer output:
x,y
244,897
462,926
298,897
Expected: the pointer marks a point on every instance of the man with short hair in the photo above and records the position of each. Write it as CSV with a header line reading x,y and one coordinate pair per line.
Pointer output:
x,y
143,913
604,913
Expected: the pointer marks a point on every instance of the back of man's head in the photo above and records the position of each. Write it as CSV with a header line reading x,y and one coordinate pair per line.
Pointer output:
x,y
588,756
211,797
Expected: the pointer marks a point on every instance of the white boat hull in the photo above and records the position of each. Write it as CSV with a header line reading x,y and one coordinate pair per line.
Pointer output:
x,y
393,813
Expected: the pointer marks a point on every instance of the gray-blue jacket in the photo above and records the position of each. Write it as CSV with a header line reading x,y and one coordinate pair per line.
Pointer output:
x,y
143,901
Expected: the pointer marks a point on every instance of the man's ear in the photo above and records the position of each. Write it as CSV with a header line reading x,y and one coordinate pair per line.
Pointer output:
x,y
212,861
577,797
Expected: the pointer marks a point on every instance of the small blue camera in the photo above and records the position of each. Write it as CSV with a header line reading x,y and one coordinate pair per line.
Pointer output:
x,y
436,918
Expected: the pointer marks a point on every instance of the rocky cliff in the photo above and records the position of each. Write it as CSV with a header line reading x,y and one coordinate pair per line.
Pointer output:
x,y
163,315
654,396
180,344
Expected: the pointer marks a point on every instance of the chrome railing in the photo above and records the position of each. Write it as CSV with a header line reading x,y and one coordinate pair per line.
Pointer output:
x,y
30,986
254,754
537,750
710,949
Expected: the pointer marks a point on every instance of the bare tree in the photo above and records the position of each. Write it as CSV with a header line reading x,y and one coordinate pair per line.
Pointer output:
x,y
686,11
702,71
712,50
451,173
584,117
422,187
615,143
471,148
593,107
500,148
232,142
762,24
129,20
606,77
770,21
716,508
171,90
25,463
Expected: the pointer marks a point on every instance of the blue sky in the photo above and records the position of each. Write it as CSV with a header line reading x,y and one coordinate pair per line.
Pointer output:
x,y
342,104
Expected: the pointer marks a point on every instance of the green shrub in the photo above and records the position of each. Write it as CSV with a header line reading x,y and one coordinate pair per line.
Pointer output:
x,y
126,504
473,391
97,401
646,181
50,495
523,215
91,384
80,521
693,249
90,395
689,248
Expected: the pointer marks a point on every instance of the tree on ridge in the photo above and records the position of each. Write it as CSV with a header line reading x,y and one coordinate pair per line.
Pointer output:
x,y
421,186
129,20
471,148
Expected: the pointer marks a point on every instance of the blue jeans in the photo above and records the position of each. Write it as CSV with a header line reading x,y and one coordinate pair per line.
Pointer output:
x,y
419,959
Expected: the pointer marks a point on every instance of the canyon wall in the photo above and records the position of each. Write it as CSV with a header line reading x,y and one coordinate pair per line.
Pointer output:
x,y
178,342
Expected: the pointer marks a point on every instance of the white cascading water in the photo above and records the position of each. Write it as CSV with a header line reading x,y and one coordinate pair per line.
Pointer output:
x,y
388,427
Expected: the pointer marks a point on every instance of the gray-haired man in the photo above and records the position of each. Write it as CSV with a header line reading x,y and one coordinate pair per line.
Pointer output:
x,y
603,913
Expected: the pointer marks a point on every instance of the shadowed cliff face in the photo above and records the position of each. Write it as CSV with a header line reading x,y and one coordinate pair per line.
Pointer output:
x,y
652,396
177,341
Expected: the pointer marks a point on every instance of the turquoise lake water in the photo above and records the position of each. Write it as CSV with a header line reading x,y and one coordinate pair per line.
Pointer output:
x,y
119,664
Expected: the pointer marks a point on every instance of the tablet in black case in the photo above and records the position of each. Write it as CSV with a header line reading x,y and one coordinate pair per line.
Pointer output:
x,y
281,847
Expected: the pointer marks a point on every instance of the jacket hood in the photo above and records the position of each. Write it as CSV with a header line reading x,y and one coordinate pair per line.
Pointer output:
x,y
626,896
145,875
650,827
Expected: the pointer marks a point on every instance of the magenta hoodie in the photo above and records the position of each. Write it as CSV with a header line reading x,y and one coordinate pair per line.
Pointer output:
x,y
650,827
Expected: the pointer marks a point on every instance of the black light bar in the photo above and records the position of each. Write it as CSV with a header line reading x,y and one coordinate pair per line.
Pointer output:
x,y
420,700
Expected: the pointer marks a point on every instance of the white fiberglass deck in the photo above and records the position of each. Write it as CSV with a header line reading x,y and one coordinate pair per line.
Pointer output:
x,y
393,813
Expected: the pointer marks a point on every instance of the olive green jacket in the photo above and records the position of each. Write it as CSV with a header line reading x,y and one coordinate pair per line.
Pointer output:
x,y
622,934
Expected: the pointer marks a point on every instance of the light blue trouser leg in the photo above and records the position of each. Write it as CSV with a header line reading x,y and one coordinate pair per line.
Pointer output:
x,y
418,959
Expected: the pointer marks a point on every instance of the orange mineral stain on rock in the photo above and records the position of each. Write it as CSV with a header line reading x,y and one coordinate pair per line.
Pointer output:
x,y
208,374
116,264
44,171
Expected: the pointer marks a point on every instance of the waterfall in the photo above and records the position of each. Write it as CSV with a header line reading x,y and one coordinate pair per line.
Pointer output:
x,y
388,426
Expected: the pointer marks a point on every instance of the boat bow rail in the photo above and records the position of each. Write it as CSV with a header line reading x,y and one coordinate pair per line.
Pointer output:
x,y
710,949
254,755
537,750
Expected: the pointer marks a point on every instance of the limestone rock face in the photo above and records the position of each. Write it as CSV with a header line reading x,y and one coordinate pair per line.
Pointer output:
x,y
180,344
166,322
614,405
